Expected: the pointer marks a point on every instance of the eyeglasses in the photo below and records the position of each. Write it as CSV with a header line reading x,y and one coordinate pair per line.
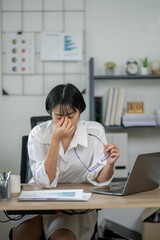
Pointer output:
x,y
97,164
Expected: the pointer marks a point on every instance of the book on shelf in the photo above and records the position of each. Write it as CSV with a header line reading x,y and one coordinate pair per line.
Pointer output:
x,y
109,106
142,119
114,106
119,107
98,108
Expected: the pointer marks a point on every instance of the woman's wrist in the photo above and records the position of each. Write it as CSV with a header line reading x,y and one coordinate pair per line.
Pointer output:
x,y
106,173
55,139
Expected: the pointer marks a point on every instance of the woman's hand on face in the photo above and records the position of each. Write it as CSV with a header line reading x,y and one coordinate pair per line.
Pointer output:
x,y
68,127
113,152
63,128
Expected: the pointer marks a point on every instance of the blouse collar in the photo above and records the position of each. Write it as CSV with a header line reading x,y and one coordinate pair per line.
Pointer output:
x,y
80,136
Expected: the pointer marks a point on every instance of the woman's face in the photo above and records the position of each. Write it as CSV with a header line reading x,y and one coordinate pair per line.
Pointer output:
x,y
69,113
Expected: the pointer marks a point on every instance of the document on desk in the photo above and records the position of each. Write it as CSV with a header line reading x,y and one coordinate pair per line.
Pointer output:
x,y
54,195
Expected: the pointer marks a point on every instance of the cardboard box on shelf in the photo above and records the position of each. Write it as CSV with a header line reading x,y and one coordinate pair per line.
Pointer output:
x,y
151,224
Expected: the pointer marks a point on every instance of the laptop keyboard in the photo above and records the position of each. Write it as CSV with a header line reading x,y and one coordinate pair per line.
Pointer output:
x,y
113,188
118,186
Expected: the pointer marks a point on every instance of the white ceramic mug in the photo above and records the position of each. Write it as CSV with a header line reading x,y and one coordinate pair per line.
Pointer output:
x,y
15,184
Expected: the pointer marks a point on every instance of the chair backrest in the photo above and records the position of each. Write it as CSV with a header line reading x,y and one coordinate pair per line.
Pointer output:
x,y
39,119
25,171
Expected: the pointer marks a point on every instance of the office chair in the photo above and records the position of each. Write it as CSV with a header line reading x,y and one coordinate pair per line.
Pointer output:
x,y
25,171
39,119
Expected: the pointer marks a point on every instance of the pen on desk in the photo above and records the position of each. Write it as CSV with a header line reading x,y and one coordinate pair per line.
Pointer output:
x,y
4,175
8,175
6,178
1,178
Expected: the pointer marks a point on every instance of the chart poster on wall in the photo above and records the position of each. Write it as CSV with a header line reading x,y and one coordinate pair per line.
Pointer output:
x,y
19,53
59,46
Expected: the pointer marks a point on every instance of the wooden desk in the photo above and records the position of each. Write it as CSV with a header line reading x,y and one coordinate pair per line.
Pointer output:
x,y
146,199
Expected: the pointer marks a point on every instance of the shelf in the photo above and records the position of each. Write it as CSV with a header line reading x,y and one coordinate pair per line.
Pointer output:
x,y
92,79
129,77
133,127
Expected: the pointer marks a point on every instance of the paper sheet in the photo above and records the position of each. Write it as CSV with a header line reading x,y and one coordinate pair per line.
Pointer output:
x,y
19,53
54,195
60,46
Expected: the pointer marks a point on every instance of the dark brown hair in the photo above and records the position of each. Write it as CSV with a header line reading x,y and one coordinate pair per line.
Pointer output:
x,y
65,96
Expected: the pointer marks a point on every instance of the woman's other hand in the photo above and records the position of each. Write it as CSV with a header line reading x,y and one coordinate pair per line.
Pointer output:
x,y
113,152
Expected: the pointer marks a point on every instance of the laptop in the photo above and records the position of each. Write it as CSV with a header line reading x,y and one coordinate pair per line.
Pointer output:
x,y
144,176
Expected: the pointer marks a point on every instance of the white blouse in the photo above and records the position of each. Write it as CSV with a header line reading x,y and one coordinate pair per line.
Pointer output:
x,y
86,151
82,162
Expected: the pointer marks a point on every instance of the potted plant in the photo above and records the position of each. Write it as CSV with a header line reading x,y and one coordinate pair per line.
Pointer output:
x,y
144,66
110,67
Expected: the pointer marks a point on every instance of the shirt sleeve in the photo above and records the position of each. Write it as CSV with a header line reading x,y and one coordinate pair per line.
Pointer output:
x,y
98,159
37,154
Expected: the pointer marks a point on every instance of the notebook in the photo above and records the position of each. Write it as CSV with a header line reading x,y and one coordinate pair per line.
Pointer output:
x,y
144,176
54,195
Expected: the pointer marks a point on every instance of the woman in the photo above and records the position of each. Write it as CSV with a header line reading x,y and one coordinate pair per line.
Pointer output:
x,y
66,150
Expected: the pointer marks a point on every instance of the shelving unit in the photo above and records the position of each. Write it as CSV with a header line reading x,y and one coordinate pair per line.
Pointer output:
x,y
115,77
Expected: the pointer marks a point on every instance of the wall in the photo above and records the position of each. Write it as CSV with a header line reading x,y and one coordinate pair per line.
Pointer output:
x,y
115,30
